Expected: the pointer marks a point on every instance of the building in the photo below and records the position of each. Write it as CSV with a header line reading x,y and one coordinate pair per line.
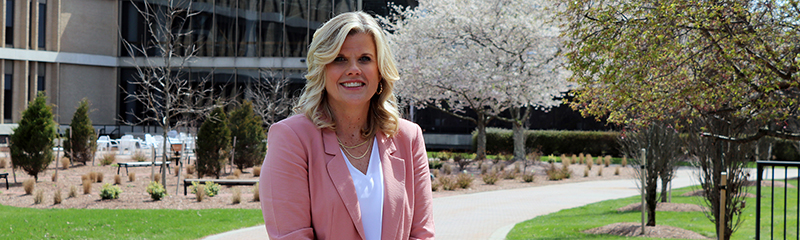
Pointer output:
x,y
73,49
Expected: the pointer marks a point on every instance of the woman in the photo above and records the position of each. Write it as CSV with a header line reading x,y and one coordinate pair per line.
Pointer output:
x,y
347,166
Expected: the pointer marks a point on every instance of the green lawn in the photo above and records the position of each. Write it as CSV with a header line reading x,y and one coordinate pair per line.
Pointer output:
x,y
569,223
27,223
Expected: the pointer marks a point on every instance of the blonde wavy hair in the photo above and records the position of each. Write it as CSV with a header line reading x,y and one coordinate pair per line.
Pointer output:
x,y
325,46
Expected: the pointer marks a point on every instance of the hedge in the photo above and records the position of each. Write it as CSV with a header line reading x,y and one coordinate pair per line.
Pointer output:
x,y
596,143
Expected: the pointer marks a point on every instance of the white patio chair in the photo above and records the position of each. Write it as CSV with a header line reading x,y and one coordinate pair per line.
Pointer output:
x,y
104,143
127,144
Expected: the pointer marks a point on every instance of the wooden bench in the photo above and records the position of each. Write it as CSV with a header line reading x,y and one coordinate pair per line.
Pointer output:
x,y
5,175
138,164
227,182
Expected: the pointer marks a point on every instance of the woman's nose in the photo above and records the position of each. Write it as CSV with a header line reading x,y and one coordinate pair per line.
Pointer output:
x,y
353,69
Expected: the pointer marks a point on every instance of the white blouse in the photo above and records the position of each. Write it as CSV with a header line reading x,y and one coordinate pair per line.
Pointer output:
x,y
369,188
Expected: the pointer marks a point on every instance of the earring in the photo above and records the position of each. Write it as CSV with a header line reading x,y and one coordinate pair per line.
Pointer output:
x,y
380,89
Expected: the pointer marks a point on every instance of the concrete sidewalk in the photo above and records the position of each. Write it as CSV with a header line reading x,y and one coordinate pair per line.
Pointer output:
x,y
491,215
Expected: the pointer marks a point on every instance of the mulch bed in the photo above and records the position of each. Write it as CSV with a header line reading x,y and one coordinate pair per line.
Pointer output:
x,y
665,207
628,229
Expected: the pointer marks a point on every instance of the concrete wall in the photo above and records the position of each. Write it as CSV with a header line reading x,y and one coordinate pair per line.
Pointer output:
x,y
98,84
89,26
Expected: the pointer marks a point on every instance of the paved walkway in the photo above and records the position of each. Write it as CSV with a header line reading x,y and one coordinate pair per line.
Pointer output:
x,y
491,215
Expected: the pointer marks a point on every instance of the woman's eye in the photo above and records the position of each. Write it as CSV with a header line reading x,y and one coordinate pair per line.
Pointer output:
x,y
339,59
365,59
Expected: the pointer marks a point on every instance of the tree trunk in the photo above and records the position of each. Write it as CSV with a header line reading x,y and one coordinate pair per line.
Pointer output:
x,y
652,202
519,141
480,153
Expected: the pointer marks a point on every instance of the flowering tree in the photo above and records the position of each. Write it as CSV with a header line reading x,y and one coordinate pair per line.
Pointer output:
x,y
727,70
487,56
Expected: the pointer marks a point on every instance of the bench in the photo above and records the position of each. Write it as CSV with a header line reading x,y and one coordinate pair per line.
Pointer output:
x,y
138,164
227,182
5,175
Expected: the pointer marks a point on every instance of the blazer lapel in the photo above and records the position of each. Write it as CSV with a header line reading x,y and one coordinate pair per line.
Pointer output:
x,y
340,176
394,195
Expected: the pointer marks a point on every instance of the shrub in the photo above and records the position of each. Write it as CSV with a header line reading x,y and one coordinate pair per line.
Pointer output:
x,y
64,163
117,179
256,171
54,178
81,135
435,172
156,191
616,171
85,177
213,144
434,164
528,177
92,176
485,167
139,156
38,197
447,182
87,186
236,198
211,189
464,180
32,148
108,159
256,196
246,127
57,196
237,173
73,191
553,141
447,169
28,186
2,162
589,163
509,175
600,171
131,177
585,172
199,192
435,186
490,178
624,161
156,177
108,191
607,160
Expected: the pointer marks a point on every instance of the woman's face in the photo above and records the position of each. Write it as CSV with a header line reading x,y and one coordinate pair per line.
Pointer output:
x,y
352,78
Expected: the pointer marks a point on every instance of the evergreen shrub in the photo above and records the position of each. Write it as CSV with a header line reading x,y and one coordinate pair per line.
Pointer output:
x,y
108,191
554,142
213,144
247,128
81,135
32,141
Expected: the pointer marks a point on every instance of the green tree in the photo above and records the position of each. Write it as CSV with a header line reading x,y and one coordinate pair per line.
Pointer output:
x,y
81,135
32,142
213,143
246,128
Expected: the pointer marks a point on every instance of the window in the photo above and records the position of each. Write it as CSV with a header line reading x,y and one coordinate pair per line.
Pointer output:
x,y
7,93
9,22
40,82
42,22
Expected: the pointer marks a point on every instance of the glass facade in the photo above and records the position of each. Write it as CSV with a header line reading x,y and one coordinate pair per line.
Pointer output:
x,y
7,90
40,77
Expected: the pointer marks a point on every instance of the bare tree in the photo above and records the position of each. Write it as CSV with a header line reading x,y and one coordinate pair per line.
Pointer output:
x,y
161,60
272,99
663,149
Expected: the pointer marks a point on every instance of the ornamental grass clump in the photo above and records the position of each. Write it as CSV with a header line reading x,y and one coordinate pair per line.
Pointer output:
x,y
156,191
464,180
256,196
57,196
237,173
54,178
555,174
139,156
99,177
624,161
435,186
199,192
447,169
156,177
87,186
73,191
589,162
2,162
108,159
256,171
585,172
236,198
117,179
490,177
109,191
600,171
38,197
211,189
64,163
528,177
190,169
131,177
447,182
607,160
616,171
28,186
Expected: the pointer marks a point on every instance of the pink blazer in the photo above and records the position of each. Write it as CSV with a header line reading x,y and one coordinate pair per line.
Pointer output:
x,y
307,193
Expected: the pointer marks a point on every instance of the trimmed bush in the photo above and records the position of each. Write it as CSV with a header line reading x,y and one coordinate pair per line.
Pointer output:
x,y
447,183
32,141
108,191
156,191
464,180
490,178
81,135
